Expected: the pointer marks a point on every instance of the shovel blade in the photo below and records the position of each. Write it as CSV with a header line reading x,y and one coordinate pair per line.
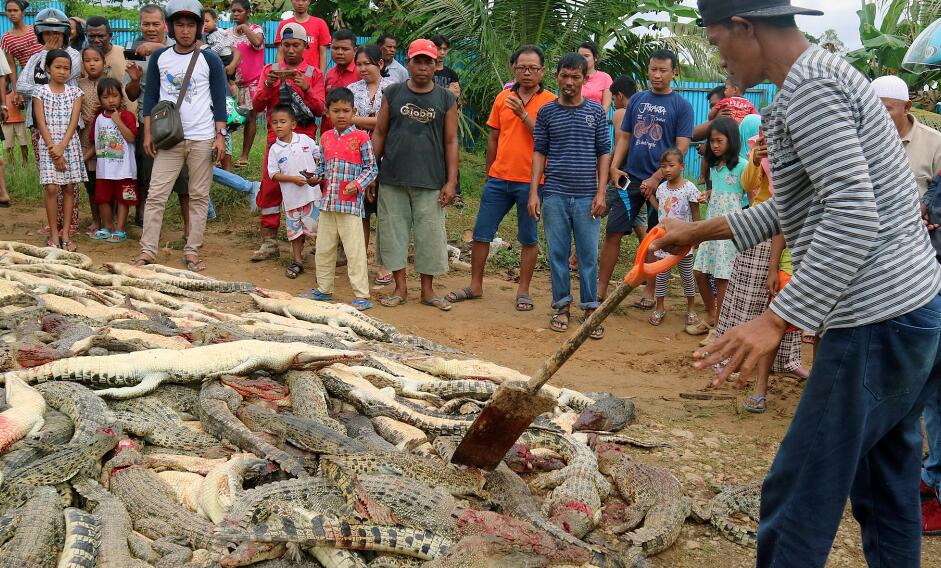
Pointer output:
x,y
509,413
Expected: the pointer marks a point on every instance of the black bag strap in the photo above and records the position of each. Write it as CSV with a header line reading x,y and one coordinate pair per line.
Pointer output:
x,y
186,77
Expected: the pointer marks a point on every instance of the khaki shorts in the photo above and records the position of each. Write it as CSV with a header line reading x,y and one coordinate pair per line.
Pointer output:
x,y
13,132
404,209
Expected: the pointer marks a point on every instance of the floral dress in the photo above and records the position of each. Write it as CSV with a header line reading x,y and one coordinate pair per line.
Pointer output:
x,y
58,114
717,257
365,105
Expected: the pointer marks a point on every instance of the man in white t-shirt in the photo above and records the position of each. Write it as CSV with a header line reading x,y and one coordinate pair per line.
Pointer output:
x,y
203,116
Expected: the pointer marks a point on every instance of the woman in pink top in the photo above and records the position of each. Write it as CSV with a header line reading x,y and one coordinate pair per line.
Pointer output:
x,y
19,44
249,40
597,85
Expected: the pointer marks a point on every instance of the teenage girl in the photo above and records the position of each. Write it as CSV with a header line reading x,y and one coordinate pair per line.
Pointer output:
x,y
58,108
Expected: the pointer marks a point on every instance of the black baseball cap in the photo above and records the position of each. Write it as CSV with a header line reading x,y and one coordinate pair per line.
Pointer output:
x,y
715,11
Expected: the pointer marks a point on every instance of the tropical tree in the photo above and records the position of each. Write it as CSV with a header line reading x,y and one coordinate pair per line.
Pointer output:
x,y
486,32
886,40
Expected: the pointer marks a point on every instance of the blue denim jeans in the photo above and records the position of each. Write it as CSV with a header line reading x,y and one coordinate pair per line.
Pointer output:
x,y
564,217
499,196
855,434
231,180
931,473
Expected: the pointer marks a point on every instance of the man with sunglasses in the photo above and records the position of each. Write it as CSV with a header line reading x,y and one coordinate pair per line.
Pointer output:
x,y
509,167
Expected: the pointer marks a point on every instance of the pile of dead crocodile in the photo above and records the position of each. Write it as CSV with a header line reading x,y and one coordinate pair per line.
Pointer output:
x,y
143,425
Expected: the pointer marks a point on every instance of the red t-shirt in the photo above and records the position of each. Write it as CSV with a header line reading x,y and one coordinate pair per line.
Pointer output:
x,y
337,77
317,34
740,108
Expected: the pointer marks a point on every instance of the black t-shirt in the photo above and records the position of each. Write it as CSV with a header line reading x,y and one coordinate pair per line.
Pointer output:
x,y
445,76
414,148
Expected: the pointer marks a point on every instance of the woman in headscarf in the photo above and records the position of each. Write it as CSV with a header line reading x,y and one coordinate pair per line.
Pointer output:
x,y
755,272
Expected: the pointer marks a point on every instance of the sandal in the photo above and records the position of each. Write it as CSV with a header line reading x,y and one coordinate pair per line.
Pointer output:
x,y
361,304
315,294
117,237
294,270
644,303
50,244
695,326
656,318
462,295
524,303
384,279
69,246
194,264
240,163
598,332
438,302
559,322
142,260
101,235
710,337
6,203
755,404
392,301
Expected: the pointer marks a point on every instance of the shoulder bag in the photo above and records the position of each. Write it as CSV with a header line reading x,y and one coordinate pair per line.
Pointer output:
x,y
166,126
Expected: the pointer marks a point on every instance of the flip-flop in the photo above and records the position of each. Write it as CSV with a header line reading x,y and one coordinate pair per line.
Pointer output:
x,y
101,235
194,265
392,301
462,295
69,245
656,318
361,304
6,203
240,163
438,302
384,280
644,303
315,294
526,301
598,332
755,404
117,237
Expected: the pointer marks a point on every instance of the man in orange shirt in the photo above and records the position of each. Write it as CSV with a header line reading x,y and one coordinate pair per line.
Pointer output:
x,y
509,167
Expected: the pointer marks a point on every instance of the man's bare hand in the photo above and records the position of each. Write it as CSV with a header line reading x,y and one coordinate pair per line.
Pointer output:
x,y
743,347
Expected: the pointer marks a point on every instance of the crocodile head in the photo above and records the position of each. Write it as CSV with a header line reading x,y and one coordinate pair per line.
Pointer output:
x,y
317,357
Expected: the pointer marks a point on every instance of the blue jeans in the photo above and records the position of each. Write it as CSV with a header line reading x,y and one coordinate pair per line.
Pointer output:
x,y
855,434
563,217
931,474
499,196
231,180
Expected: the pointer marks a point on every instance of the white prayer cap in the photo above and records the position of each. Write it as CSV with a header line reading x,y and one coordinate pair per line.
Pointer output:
x,y
891,87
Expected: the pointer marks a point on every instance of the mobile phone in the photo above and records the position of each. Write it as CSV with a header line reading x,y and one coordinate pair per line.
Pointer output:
x,y
130,51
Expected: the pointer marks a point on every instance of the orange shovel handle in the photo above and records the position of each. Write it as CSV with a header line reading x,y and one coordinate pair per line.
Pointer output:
x,y
643,271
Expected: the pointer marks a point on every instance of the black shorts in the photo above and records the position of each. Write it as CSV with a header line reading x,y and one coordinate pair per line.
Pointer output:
x,y
621,215
371,208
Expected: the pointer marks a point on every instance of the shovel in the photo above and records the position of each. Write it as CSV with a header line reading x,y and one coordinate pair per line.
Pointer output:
x,y
515,404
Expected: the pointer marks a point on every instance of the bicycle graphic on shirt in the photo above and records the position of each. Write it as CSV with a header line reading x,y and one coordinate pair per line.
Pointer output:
x,y
647,125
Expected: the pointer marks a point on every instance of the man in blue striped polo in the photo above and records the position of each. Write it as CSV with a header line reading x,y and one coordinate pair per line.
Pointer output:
x,y
865,279
572,147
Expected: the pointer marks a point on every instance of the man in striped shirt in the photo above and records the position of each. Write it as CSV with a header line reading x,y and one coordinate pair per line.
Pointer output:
x,y
865,279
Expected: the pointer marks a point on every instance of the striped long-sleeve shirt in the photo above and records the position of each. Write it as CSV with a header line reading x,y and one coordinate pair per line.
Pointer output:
x,y
572,139
845,200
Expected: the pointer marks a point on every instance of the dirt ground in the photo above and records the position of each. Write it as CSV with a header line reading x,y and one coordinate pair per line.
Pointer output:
x,y
710,441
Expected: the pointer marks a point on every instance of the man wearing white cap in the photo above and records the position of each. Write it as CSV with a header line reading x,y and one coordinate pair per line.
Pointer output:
x,y
922,143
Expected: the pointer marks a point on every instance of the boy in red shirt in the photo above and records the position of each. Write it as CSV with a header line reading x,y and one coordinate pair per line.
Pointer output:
x,y
733,105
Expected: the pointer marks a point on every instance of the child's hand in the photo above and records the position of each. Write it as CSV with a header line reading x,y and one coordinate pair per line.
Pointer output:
x,y
704,196
371,192
57,150
300,180
773,282
59,163
116,118
310,178
351,189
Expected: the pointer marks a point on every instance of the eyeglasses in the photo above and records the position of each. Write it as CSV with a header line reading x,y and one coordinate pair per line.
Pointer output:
x,y
528,69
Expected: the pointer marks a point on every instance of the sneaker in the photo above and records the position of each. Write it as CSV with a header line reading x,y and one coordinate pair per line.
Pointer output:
x,y
931,518
268,250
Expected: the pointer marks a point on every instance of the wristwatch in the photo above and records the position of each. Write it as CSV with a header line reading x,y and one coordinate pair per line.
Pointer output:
x,y
223,132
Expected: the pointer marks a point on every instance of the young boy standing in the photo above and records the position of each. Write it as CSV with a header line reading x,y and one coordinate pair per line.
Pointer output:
x,y
571,134
295,162
349,166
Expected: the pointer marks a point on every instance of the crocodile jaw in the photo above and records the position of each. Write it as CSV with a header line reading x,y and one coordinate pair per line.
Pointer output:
x,y
311,360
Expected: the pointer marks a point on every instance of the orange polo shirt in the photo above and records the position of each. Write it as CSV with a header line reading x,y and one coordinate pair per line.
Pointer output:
x,y
514,161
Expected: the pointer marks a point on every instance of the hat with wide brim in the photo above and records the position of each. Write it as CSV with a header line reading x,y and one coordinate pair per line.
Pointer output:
x,y
714,11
